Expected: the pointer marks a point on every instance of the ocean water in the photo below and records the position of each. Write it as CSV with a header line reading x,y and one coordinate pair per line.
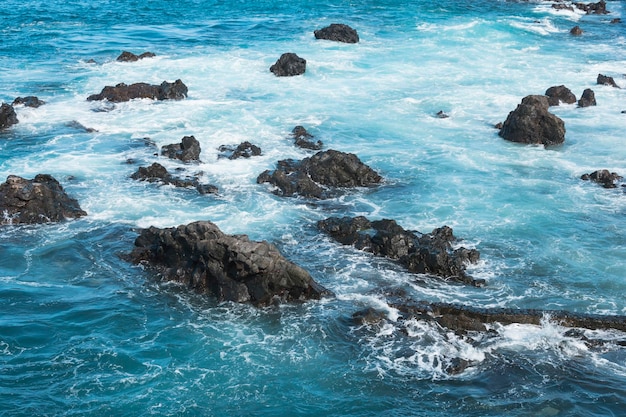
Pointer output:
x,y
83,333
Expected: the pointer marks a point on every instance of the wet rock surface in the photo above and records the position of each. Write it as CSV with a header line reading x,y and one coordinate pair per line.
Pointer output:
x,y
532,123
430,253
40,200
229,267
337,32
122,92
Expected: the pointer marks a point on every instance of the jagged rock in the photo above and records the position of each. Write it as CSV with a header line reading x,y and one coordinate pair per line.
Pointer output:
x,y
8,117
187,150
430,253
28,101
560,93
122,92
79,126
303,139
605,80
312,177
532,123
288,65
40,200
587,99
576,31
231,268
442,115
243,150
158,173
593,8
603,177
560,6
130,57
337,32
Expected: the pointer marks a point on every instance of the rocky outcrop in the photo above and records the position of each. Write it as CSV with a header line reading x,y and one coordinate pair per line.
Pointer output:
x,y
8,117
558,94
188,150
606,80
40,200
430,253
289,65
320,175
243,150
337,32
593,8
532,123
587,99
603,177
28,101
304,139
130,57
158,173
231,268
122,92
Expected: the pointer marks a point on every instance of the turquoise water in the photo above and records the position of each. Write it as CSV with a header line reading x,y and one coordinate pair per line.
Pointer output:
x,y
84,333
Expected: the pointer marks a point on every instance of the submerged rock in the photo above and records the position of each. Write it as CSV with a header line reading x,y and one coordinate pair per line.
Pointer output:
x,y
430,253
603,177
558,94
8,117
320,175
40,200
532,123
576,31
188,150
28,101
122,92
130,57
304,139
289,65
337,32
243,150
229,267
158,173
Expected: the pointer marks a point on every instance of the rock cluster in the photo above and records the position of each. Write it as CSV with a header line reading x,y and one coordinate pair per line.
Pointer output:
x,y
232,268
430,253
304,139
243,150
28,101
158,173
40,200
603,177
130,57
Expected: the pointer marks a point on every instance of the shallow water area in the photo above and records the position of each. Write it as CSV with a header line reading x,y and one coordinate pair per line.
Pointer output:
x,y
83,332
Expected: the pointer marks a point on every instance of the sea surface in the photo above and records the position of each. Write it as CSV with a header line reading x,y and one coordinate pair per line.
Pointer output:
x,y
85,333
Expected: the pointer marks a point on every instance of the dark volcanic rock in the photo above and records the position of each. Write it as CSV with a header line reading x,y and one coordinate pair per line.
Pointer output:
x,y
130,57
187,150
231,268
28,101
122,92
464,319
558,94
158,173
40,200
593,8
560,6
8,117
430,253
304,139
243,150
312,176
288,65
337,32
576,31
587,99
531,122
603,177
605,80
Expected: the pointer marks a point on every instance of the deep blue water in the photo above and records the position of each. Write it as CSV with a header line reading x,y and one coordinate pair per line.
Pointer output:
x,y
84,333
